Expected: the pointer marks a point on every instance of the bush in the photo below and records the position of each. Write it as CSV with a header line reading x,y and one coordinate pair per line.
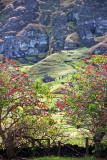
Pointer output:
x,y
87,100
23,113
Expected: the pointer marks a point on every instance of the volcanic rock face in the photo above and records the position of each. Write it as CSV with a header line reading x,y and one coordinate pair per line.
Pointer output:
x,y
91,20
32,39
34,26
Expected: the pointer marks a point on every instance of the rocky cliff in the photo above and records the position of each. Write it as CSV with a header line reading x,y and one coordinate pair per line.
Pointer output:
x,y
35,26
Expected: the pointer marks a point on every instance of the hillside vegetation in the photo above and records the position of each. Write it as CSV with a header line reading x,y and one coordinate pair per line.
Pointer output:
x,y
59,66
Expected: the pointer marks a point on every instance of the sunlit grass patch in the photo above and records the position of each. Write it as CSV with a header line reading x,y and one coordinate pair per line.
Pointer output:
x,y
66,158
72,135
57,64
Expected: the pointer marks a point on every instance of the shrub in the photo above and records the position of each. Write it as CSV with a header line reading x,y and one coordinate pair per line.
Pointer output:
x,y
23,113
87,100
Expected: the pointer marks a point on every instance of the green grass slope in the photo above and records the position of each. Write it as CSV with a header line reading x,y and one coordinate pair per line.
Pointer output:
x,y
58,65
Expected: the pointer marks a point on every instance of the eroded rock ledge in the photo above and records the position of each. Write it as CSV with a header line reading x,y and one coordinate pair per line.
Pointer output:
x,y
34,26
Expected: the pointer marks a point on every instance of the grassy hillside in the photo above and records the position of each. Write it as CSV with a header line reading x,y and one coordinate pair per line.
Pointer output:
x,y
59,66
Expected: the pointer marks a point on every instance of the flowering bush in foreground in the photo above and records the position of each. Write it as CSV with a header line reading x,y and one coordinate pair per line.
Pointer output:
x,y
23,114
86,101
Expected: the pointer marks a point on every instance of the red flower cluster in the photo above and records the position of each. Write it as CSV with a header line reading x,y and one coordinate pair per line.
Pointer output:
x,y
15,90
91,130
84,60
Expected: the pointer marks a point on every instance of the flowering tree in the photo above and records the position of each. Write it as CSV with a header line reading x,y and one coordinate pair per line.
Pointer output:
x,y
23,113
87,100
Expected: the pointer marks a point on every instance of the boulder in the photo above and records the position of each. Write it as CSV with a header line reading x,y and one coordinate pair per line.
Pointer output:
x,y
72,41
47,78
100,50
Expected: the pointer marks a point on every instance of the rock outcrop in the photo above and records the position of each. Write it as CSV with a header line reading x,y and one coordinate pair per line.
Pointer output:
x,y
91,19
35,26
33,38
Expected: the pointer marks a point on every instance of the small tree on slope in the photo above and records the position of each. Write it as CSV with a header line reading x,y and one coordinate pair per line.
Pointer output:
x,y
87,98
23,114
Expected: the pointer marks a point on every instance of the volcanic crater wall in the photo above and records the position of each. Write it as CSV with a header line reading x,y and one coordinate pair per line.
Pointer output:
x,y
34,26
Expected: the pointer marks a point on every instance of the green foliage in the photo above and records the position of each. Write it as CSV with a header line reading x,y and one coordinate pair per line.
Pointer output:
x,y
66,158
23,111
87,98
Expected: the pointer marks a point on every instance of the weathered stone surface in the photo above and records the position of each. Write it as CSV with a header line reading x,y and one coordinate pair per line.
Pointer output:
x,y
2,6
59,19
1,46
34,26
91,20
99,50
19,37
72,41
32,39
58,36
45,18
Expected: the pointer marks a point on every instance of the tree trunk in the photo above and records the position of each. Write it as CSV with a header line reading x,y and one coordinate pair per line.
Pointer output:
x,y
97,148
8,140
9,144
10,151
97,140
